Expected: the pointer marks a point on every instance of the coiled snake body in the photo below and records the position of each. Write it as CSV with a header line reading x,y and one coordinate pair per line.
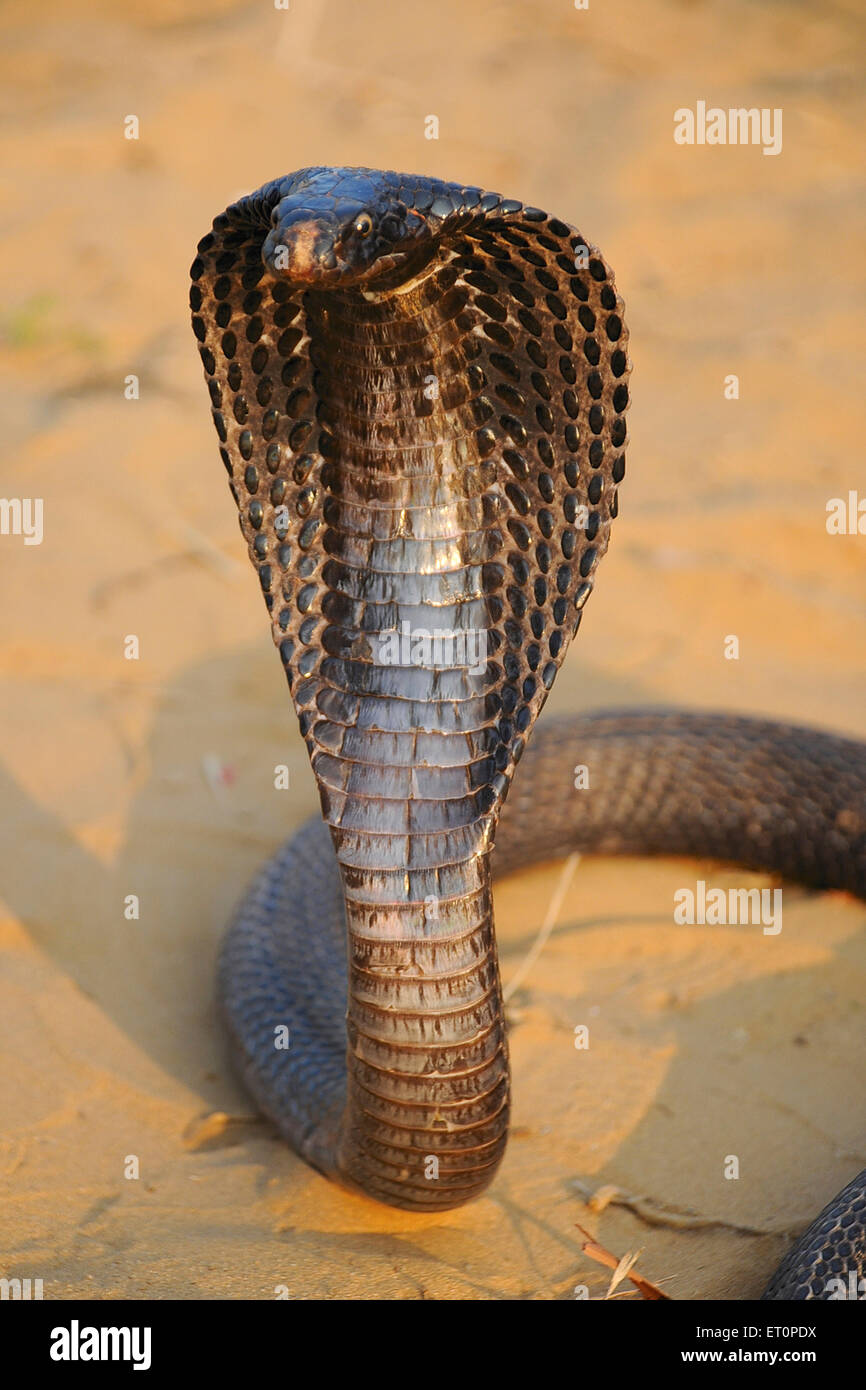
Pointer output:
x,y
419,390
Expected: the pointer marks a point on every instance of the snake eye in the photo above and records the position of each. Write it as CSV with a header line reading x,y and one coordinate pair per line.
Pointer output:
x,y
363,224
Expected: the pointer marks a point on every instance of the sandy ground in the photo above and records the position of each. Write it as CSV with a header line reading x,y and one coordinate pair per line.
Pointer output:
x,y
155,777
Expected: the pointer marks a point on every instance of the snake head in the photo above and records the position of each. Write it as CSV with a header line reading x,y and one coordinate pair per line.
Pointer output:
x,y
329,231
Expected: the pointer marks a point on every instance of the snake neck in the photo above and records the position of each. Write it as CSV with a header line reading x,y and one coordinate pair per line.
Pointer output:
x,y
401,736
402,764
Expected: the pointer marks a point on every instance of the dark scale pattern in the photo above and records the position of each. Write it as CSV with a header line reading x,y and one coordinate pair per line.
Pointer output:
x,y
419,396
712,786
828,1253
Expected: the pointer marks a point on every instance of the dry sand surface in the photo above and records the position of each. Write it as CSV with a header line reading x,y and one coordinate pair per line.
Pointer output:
x,y
155,777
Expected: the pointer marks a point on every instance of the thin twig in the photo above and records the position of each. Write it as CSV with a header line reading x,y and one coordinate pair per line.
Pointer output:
x,y
547,925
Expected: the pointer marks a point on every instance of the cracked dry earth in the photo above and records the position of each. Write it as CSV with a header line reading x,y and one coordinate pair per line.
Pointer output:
x,y
154,777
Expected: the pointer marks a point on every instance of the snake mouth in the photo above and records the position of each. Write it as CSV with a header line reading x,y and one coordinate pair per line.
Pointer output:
x,y
305,253
315,255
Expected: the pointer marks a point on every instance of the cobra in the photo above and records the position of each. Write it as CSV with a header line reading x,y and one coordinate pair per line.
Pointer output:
x,y
326,305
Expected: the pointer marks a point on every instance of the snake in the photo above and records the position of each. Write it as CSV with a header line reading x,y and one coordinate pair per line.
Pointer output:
x,y
419,389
